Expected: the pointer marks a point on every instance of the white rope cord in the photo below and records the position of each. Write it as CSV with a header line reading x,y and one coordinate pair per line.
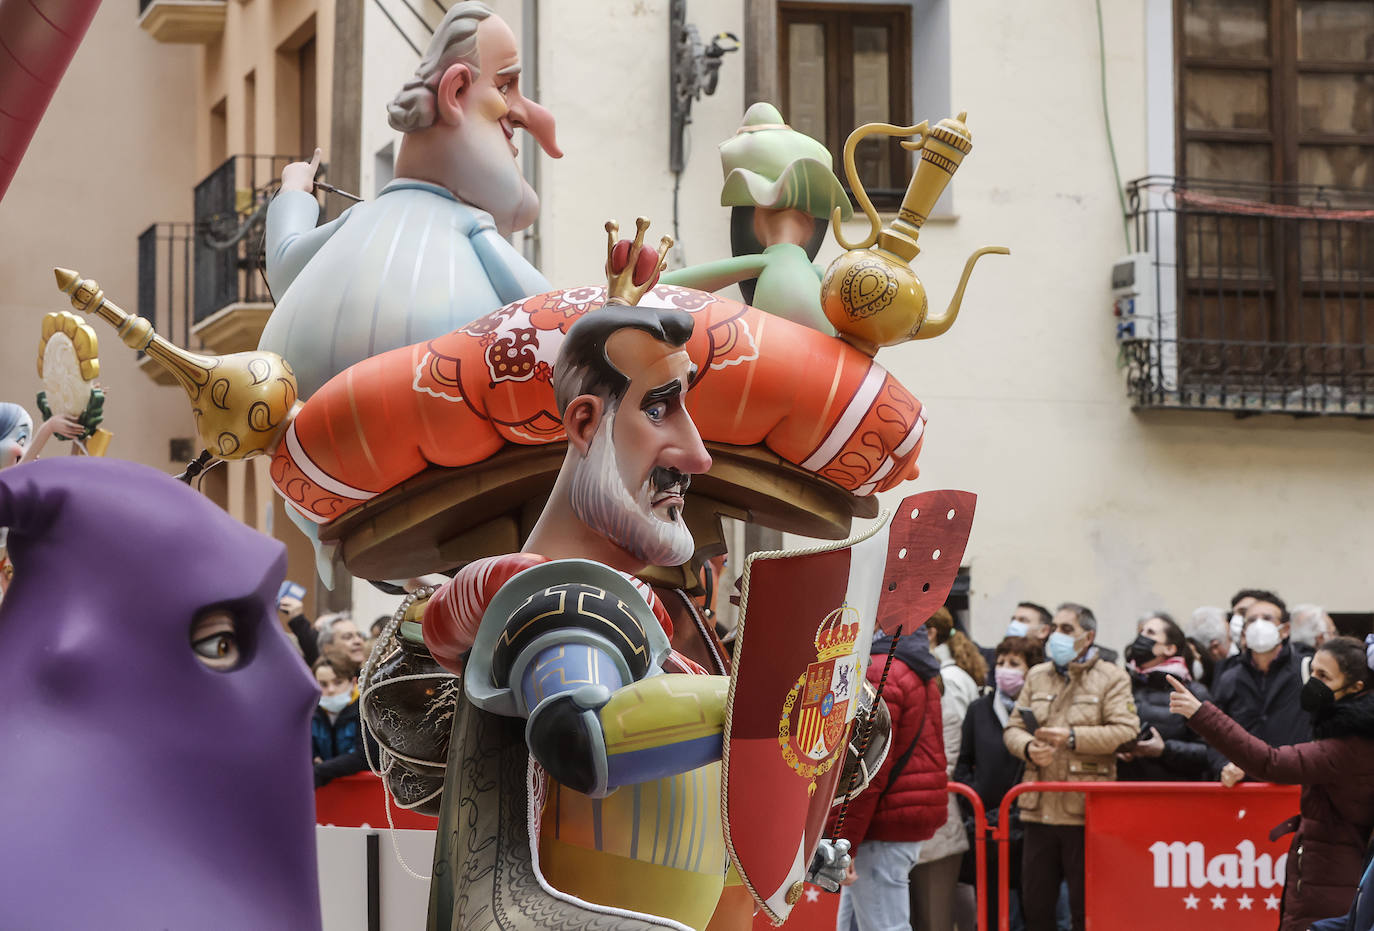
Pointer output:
x,y
380,649
826,547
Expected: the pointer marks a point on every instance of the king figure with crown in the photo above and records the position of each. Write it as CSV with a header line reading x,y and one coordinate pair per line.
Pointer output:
x,y
596,777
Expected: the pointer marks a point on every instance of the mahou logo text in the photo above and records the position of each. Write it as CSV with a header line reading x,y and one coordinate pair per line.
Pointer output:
x,y
1180,865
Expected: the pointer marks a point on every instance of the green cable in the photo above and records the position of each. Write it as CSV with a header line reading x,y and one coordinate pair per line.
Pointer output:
x,y
1107,120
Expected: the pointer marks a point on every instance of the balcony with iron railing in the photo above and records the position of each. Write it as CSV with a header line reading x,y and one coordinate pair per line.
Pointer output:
x,y
197,22
1256,298
202,283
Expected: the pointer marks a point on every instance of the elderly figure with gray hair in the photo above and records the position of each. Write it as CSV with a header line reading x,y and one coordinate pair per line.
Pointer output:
x,y
428,255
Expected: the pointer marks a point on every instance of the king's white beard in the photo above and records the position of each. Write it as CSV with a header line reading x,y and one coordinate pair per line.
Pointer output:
x,y
601,501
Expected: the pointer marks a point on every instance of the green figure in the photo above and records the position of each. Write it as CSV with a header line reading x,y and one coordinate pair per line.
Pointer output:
x,y
783,190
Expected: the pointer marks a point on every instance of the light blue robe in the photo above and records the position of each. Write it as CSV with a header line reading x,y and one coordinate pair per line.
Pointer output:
x,y
411,265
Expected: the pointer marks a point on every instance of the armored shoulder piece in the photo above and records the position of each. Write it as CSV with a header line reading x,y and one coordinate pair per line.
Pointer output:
x,y
563,602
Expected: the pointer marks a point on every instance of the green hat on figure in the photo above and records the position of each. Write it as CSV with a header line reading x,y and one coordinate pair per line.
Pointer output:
x,y
770,164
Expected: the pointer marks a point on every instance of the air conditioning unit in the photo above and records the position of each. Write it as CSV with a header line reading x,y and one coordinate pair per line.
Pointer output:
x,y
1134,303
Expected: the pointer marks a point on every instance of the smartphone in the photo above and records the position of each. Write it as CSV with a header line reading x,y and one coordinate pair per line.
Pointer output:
x,y
1028,718
291,589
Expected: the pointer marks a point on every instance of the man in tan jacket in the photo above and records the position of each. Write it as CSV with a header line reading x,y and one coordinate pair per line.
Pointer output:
x,y
1082,711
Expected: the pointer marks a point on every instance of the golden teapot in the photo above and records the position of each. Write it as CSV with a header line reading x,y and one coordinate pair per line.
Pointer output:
x,y
870,294
242,402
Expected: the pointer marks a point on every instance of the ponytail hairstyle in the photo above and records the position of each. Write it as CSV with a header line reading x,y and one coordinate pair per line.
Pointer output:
x,y
966,655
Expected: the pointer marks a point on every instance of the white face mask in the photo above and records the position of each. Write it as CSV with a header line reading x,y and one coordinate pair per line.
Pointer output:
x,y
1261,636
1237,627
335,703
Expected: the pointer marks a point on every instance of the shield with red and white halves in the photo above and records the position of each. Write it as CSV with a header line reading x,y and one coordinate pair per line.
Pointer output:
x,y
807,620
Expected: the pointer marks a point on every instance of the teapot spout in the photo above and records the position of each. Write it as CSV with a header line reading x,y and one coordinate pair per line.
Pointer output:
x,y
934,326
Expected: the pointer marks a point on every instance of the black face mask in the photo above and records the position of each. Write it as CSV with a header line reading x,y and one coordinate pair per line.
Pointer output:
x,y
1141,650
1316,696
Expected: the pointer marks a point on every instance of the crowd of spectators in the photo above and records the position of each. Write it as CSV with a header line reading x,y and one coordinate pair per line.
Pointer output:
x,y
1260,692
335,650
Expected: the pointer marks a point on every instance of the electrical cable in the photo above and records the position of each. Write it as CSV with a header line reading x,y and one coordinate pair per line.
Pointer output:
x,y
1107,121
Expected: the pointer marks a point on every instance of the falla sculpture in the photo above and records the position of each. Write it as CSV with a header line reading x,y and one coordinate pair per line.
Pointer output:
x,y
409,459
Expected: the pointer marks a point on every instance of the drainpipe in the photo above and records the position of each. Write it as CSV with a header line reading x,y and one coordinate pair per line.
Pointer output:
x,y
529,58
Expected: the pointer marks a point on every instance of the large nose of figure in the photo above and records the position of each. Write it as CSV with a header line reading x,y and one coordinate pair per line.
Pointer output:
x,y
689,454
537,121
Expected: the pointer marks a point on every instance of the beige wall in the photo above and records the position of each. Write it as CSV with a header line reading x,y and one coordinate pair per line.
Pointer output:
x,y
106,162
261,36
1079,497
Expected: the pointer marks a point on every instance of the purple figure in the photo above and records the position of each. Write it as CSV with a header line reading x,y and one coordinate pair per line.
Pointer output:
x,y
155,720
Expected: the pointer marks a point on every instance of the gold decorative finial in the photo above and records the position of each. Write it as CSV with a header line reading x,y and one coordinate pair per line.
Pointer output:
x,y
870,294
242,402
620,286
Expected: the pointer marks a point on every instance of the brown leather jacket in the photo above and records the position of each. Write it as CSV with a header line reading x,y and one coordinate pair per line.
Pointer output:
x,y
1094,701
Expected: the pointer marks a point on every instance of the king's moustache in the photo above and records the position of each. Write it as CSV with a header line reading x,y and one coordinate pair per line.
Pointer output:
x,y
663,478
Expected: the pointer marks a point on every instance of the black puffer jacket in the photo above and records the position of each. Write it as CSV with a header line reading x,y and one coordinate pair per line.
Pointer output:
x,y
1185,756
1265,704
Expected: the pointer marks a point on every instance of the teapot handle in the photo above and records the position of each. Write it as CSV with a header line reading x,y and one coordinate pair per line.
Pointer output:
x,y
921,129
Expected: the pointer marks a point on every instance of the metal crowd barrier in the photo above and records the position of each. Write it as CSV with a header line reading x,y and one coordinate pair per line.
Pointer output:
x,y
1001,833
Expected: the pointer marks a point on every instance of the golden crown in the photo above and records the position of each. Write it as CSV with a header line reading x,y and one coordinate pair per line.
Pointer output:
x,y
837,634
620,286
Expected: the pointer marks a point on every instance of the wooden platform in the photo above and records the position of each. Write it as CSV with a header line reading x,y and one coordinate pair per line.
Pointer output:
x,y
443,518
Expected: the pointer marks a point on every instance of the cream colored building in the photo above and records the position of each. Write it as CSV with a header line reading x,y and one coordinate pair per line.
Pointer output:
x,y
1084,493
1081,497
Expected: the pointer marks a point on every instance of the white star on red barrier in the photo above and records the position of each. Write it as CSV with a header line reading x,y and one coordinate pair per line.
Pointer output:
x,y
1272,903
1218,901
1190,901
813,894
1244,903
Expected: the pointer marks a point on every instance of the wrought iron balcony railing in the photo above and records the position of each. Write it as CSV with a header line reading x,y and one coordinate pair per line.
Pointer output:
x,y
1260,298
230,223
189,272
164,275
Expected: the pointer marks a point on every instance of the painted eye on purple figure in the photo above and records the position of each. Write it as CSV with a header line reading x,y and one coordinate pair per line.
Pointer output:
x,y
215,641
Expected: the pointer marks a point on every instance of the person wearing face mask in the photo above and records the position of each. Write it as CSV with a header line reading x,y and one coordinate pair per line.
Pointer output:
x,y
1260,689
1166,750
1326,855
934,902
985,765
1079,710
1240,601
335,735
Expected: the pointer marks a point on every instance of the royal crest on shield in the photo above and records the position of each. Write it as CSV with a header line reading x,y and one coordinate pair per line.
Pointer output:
x,y
812,733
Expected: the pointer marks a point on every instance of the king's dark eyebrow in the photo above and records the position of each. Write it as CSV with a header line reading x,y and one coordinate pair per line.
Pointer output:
x,y
667,392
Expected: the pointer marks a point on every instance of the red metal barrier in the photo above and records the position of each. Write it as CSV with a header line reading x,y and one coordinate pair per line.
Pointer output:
x,y
980,833
356,800
1254,794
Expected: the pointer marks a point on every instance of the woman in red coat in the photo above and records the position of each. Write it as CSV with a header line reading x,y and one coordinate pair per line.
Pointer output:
x,y
1335,770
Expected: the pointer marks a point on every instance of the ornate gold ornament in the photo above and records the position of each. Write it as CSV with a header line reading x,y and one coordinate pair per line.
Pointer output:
x,y
242,402
68,365
870,294
620,286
